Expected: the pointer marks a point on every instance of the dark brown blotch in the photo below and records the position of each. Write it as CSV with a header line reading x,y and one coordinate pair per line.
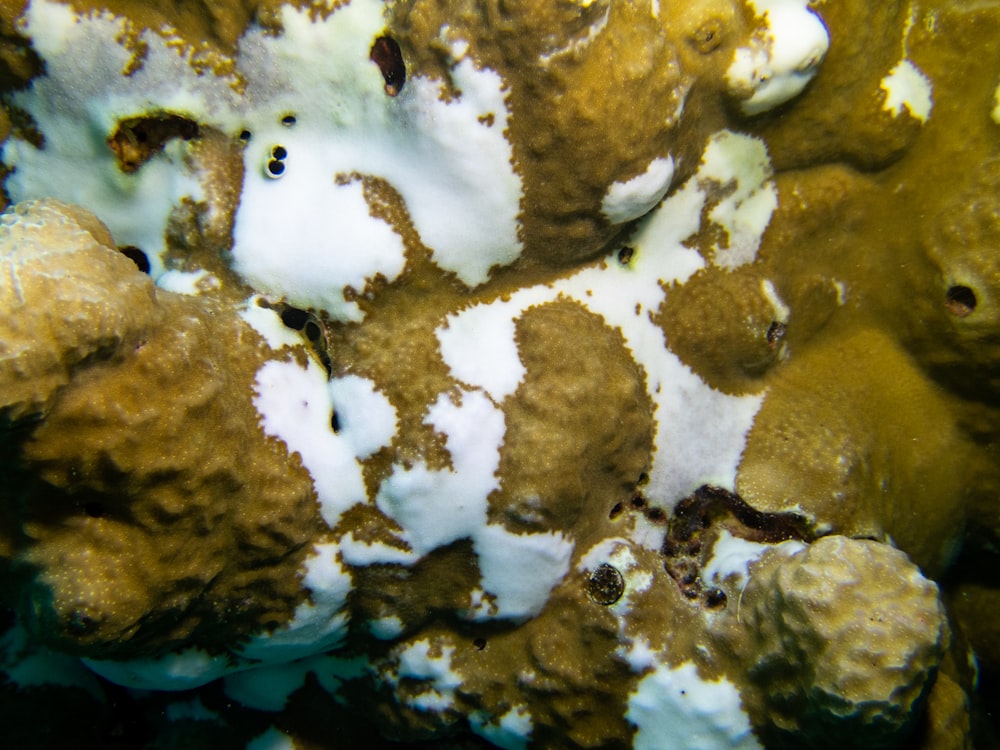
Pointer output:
x,y
387,55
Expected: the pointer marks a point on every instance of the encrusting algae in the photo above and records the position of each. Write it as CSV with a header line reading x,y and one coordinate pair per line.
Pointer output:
x,y
574,374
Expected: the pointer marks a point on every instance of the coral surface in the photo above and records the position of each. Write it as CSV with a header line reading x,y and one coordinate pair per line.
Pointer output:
x,y
519,374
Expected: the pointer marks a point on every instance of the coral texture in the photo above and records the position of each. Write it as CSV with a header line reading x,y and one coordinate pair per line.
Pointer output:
x,y
529,374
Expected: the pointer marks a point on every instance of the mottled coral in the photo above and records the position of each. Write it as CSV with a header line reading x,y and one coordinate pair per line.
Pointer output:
x,y
592,374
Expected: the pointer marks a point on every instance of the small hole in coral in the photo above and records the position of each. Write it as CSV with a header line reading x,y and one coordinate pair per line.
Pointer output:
x,y
312,331
656,515
335,422
80,623
960,301
288,120
245,135
775,332
715,598
279,152
137,256
385,53
294,318
479,643
625,255
638,502
275,168
616,510
94,509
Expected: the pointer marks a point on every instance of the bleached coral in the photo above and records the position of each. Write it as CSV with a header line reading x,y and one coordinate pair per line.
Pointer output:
x,y
502,370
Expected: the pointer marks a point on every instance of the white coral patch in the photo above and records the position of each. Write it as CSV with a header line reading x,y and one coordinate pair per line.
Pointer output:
x,y
308,239
268,324
436,507
268,687
633,198
497,369
415,662
386,628
701,432
774,68
742,162
731,557
297,405
316,114
675,708
191,283
181,670
319,624
518,570
445,158
27,665
76,106
906,87
511,731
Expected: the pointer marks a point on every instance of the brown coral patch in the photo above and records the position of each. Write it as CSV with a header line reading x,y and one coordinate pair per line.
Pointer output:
x,y
137,139
551,483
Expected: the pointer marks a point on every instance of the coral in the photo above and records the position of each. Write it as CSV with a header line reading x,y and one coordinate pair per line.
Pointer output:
x,y
848,637
499,374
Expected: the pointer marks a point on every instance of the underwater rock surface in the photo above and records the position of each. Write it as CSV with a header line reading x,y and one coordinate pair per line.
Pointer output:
x,y
573,374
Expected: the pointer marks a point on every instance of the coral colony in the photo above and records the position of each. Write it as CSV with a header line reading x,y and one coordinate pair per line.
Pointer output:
x,y
533,374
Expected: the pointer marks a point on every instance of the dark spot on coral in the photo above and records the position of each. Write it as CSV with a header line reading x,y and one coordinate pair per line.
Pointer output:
x,y
80,623
960,301
335,422
606,585
279,152
708,36
775,332
715,598
625,255
656,515
693,526
245,136
479,643
137,256
313,331
137,139
638,501
94,509
616,510
386,54
294,318
643,479
288,120
275,168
